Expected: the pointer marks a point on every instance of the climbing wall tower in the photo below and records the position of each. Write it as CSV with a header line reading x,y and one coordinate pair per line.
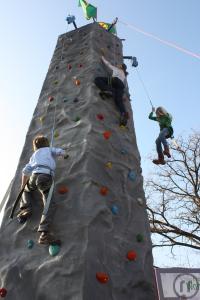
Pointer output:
x,y
100,206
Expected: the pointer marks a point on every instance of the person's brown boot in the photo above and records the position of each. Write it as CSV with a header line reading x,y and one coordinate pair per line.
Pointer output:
x,y
160,160
48,239
166,151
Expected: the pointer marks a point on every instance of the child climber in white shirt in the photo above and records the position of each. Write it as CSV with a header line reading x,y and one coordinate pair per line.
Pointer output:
x,y
38,175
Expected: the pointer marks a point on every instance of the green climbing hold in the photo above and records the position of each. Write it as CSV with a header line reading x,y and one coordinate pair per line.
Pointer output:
x,y
77,119
54,250
30,244
56,82
56,134
139,238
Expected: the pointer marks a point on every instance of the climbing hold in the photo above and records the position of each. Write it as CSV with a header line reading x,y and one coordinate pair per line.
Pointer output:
x,y
56,67
124,151
65,99
140,201
100,117
109,165
132,175
30,244
54,250
131,255
56,82
139,238
56,134
122,127
63,190
77,82
107,134
41,119
51,98
69,67
80,65
102,277
81,52
77,119
108,46
3,292
103,190
115,210
75,100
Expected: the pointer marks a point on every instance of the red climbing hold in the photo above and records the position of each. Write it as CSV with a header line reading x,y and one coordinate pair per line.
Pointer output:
x,y
103,190
80,65
3,292
102,277
131,255
51,98
100,117
107,134
63,190
69,67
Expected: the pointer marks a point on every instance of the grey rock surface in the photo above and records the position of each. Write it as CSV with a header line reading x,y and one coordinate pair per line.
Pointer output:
x,y
94,239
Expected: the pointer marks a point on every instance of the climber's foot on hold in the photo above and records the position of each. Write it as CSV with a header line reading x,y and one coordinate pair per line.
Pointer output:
x,y
105,94
48,239
23,215
123,119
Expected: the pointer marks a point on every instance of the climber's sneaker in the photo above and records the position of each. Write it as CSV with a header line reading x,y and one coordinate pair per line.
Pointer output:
x,y
48,239
160,160
123,119
23,215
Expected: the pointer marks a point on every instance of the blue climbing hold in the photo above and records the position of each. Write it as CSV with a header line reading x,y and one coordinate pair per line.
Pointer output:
x,y
124,151
132,175
30,244
115,210
54,250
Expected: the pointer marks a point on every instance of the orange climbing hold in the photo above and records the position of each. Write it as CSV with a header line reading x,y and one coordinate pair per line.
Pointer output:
x,y
63,190
107,134
77,82
103,190
102,277
131,255
51,98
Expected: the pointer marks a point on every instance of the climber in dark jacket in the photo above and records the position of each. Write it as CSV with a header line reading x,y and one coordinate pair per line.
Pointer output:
x,y
166,131
114,86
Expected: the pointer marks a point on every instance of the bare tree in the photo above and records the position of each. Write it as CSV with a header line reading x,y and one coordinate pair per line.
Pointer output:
x,y
173,196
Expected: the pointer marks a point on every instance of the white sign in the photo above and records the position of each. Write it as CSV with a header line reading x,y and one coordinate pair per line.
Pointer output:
x,y
178,283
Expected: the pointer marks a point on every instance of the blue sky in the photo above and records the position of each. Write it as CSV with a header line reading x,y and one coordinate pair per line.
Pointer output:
x,y
29,31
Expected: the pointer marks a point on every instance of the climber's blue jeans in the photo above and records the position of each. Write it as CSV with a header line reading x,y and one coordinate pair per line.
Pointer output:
x,y
162,140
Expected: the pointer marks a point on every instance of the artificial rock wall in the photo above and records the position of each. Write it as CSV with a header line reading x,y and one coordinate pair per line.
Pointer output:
x,y
100,215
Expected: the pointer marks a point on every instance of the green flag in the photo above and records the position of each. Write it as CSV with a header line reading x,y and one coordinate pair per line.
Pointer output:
x,y
89,10
106,26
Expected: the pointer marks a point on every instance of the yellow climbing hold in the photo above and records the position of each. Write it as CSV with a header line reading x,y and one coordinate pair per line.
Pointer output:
x,y
56,134
41,119
109,165
122,127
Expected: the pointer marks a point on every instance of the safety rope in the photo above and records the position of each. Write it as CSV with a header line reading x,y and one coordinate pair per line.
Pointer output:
x,y
170,44
144,87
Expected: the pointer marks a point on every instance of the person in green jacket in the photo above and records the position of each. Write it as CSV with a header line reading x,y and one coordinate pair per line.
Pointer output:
x,y
166,131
